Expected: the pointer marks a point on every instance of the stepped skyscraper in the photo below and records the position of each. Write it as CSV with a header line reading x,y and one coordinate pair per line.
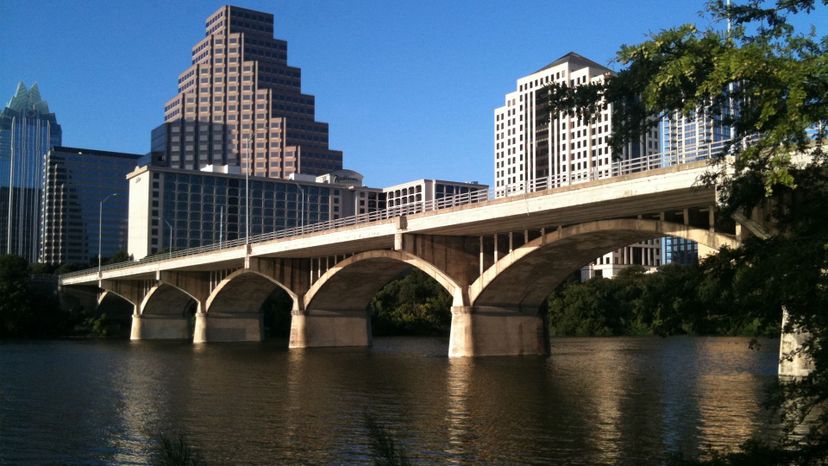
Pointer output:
x,y
241,104
27,131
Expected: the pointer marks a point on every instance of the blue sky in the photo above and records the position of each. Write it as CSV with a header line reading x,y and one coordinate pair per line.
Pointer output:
x,y
408,87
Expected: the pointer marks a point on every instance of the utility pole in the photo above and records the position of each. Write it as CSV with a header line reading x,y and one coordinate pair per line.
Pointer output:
x,y
100,228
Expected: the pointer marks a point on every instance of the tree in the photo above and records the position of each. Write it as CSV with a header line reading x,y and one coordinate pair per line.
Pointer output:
x,y
14,296
778,79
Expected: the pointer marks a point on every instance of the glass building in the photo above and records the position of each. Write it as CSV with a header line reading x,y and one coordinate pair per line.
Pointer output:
x,y
75,182
27,131
694,136
178,209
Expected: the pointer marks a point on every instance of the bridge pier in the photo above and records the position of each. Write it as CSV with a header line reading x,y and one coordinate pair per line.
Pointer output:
x,y
797,365
159,328
492,331
228,327
318,328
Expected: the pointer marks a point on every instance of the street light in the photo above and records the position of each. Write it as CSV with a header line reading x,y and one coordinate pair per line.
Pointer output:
x,y
302,218
171,236
221,226
247,195
100,229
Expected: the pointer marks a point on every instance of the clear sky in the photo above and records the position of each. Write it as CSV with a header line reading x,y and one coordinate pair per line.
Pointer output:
x,y
408,87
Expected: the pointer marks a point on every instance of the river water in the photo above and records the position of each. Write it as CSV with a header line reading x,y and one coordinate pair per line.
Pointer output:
x,y
593,401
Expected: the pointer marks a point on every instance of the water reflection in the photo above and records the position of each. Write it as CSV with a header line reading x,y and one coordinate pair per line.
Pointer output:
x,y
457,407
594,401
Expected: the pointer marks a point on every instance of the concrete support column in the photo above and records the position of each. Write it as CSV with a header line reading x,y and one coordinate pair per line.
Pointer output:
x,y
228,327
200,329
319,328
799,365
159,328
135,331
491,331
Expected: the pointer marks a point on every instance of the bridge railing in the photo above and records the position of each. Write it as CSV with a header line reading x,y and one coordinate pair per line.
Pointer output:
x,y
391,212
618,168
669,158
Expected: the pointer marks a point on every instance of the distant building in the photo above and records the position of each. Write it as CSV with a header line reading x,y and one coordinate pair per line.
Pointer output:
x,y
27,130
533,151
240,103
694,136
75,182
646,254
187,209
422,192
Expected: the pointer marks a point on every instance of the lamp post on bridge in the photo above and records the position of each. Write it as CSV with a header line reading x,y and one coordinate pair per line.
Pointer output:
x,y
302,211
100,229
171,236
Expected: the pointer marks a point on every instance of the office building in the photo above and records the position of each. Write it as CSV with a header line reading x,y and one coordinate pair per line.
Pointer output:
x,y
75,182
240,103
694,136
424,192
179,209
27,130
533,151
646,254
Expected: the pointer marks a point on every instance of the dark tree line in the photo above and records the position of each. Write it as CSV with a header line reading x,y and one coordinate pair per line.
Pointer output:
x,y
676,300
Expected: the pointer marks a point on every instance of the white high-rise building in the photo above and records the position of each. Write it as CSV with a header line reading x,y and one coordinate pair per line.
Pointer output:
x,y
535,152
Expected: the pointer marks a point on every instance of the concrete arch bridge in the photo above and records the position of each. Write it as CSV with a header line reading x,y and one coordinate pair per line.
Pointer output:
x,y
498,259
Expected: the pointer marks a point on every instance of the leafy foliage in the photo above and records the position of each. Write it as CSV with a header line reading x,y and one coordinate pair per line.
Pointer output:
x,y
676,300
412,305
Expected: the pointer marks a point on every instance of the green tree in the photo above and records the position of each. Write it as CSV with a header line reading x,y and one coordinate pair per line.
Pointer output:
x,y
15,306
778,76
412,305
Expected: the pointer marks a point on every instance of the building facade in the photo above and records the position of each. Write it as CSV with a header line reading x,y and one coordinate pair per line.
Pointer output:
x,y
240,103
647,254
27,130
695,136
179,209
424,191
75,182
533,151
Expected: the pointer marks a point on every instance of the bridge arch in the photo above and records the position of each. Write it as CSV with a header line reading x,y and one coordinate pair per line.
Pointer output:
x,y
352,283
118,312
109,295
245,290
526,276
165,299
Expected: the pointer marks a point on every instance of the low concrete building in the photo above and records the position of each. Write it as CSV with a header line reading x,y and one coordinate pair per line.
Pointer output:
x,y
423,191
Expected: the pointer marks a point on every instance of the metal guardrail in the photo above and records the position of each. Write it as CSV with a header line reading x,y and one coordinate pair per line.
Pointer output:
x,y
618,168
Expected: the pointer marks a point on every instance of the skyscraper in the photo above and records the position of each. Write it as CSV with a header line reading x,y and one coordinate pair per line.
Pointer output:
x,y
75,182
27,131
532,150
240,103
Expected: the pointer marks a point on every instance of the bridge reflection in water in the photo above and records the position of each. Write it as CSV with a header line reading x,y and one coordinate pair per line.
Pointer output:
x,y
594,401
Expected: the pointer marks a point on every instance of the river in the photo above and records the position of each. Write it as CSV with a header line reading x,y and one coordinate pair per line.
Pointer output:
x,y
592,401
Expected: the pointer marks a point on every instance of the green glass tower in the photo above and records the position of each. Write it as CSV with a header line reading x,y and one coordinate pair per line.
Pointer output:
x,y
27,131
